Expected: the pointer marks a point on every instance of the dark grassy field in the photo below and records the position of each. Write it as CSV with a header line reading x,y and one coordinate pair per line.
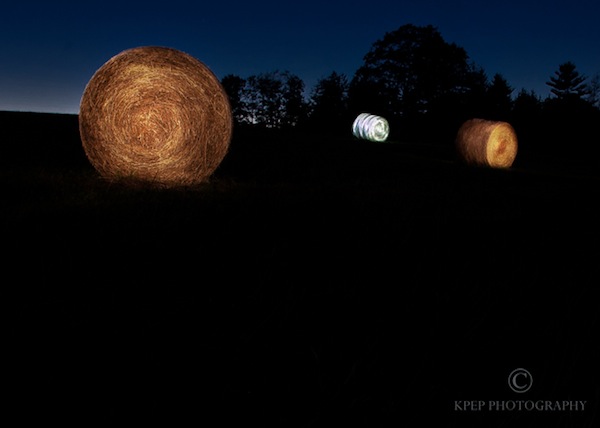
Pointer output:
x,y
313,282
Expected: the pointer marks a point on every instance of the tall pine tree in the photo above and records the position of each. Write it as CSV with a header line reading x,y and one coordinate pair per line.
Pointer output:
x,y
567,82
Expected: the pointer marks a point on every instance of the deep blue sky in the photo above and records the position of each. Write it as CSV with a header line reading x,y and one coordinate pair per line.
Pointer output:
x,y
50,49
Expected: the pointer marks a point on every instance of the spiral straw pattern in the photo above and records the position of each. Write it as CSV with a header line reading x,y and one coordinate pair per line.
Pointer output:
x,y
487,143
371,127
155,114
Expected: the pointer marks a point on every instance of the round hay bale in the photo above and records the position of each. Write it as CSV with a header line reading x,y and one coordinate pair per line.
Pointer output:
x,y
370,127
487,143
155,115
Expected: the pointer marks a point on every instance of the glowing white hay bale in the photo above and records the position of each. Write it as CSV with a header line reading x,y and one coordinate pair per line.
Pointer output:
x,y
371,127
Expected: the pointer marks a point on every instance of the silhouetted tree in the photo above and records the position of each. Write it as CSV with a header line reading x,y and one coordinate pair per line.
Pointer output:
x,y
471,101
264,99
567,82
234,86
594,91
498,97
295,106
527,103
369,95
329,103
570,119
526,118
274,99
410,73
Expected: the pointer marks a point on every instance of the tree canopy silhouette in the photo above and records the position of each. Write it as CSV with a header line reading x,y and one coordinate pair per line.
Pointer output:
x,y
412,72
499,98
426,88
594,90
234,86
273,100
570,116
329,102
567,82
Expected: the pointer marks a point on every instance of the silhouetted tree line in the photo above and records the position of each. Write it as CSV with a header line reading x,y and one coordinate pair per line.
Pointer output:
x,y
425,87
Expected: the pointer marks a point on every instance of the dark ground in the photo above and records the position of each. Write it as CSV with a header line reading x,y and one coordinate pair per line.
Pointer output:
x,y
309,284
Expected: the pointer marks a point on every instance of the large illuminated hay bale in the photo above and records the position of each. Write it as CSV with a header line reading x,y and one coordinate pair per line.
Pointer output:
x,y
487,143
157,115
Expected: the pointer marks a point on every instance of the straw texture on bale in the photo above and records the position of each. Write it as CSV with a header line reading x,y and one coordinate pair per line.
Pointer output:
x,y
155,114
487,143
371,127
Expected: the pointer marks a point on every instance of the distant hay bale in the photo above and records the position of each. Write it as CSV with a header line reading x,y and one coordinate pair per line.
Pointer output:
x,y
155,115
487,143
371,127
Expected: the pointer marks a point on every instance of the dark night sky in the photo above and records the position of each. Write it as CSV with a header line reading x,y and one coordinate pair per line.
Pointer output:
x,y
50,49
